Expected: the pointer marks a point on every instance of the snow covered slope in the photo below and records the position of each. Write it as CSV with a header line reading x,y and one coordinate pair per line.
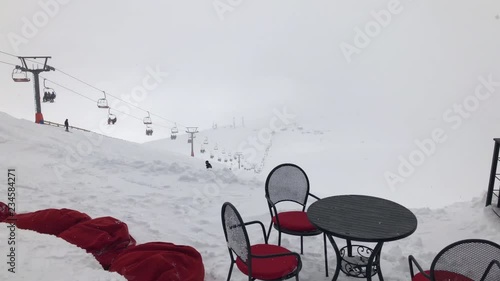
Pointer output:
x,y
416,173
165,196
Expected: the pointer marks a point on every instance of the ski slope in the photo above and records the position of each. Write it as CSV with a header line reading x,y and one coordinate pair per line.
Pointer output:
x,y
165,195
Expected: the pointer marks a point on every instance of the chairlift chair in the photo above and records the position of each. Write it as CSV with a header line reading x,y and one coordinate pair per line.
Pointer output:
x,y
206,140
149,131
211,156
111,117
215,147
174,129
20,76
49,95
147,120
103,103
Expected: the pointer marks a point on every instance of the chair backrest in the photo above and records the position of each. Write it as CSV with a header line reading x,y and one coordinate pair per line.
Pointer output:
x,y
469,258
287,182
235,231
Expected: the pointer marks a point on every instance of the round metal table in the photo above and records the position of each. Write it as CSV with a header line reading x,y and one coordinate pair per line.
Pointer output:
x,y
364,219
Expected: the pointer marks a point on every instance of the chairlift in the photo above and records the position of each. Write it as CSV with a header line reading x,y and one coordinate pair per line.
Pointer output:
x,y
149,131
20,76
147,119
202,150
111,117
49,95
174,129
225,159
206,140
211,156
215,147
219,159
103,103
223,151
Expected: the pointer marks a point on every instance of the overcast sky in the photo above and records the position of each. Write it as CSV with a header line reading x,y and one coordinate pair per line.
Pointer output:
x,y
245,58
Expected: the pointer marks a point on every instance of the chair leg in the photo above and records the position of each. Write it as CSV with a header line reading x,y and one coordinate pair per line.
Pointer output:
x,y
326,254
230,271
279,238
301,245
297,277
269,232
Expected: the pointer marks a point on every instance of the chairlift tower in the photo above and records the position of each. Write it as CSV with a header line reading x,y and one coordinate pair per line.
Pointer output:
x,y
191,131
239,155
36,72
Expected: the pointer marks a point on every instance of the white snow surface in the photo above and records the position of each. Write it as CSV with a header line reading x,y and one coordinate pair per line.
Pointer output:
x,y
168,196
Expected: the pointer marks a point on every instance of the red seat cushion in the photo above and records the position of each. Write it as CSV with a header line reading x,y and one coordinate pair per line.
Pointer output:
x,y
270,268
50,221
160,261
104,237
295,221
441,276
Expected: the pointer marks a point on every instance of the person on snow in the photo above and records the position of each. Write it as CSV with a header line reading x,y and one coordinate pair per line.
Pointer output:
x,y
209,166
66,124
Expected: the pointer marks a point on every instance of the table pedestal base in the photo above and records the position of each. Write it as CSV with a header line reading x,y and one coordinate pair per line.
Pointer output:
x,y
364,263
356,265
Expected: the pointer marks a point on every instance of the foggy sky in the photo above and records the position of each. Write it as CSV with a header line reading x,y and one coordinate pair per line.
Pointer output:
x,y
262,55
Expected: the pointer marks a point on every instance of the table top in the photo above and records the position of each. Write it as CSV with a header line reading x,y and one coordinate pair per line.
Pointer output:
x,y
362,218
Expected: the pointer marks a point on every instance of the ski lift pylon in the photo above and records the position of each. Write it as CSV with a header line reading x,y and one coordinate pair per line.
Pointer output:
x,y
103,103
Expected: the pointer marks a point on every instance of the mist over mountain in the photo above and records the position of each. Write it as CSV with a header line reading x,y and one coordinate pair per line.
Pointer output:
x,y
252,57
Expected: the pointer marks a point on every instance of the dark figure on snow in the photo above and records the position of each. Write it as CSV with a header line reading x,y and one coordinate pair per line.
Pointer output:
x,y
66,124
209,166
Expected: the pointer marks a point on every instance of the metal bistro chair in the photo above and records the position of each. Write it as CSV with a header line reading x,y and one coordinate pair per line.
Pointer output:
x,y
465,260
288,182
260,261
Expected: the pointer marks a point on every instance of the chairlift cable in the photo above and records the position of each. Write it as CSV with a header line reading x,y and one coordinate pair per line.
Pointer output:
x,y
88,84
8,54
7,63
93,87
84,96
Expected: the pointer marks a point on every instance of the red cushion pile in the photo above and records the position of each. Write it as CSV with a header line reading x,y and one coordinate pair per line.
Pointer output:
x,y
4,212
159,261
109,240
104,237
50,221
